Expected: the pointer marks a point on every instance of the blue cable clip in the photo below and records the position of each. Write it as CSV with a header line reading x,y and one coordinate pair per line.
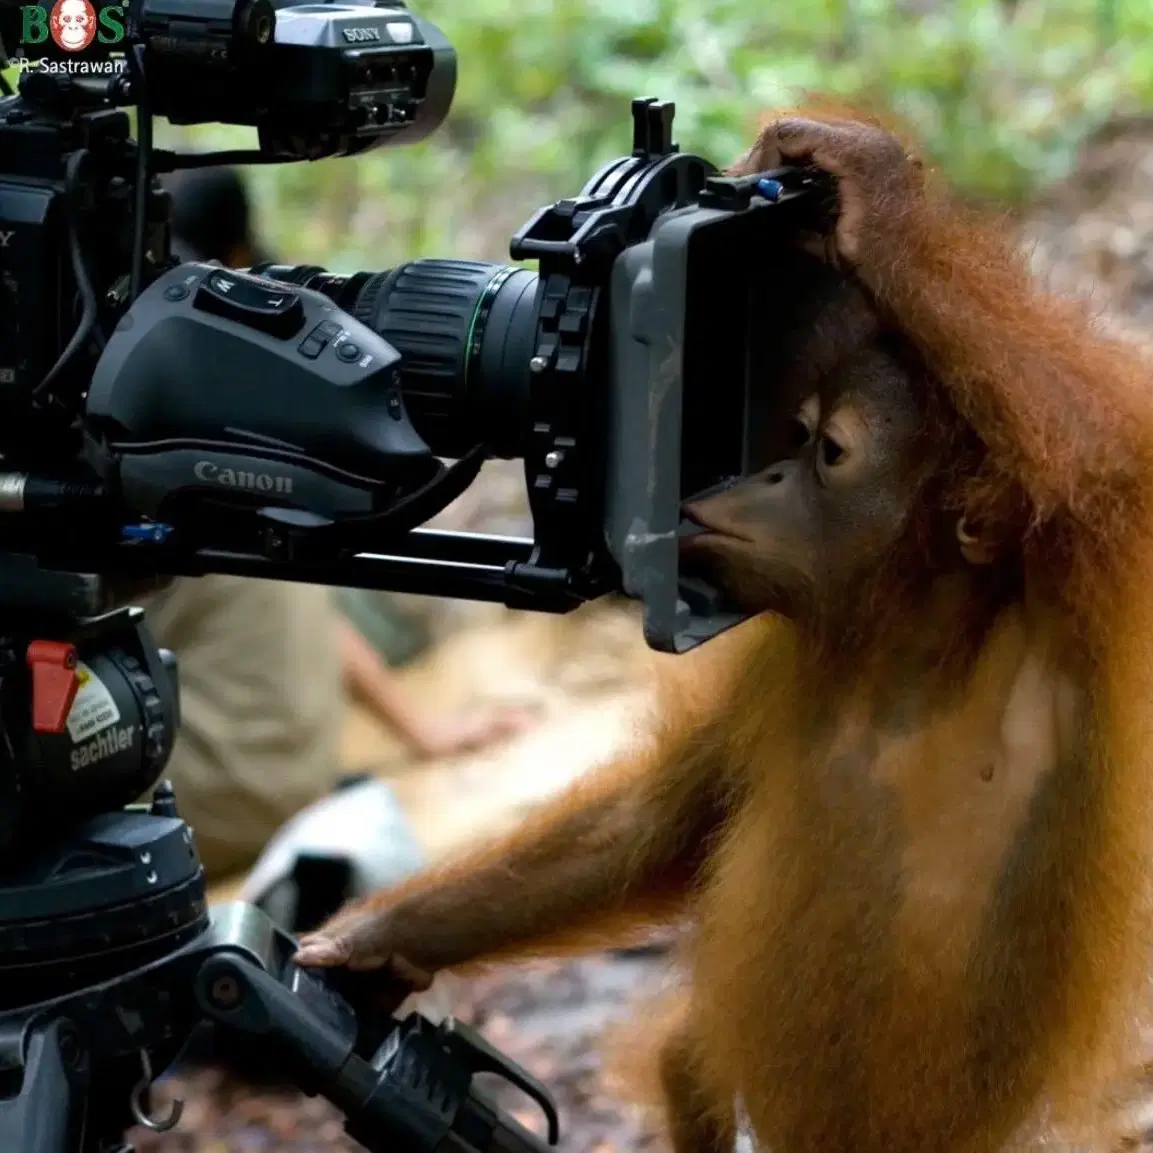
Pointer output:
x,y
770,189
150,533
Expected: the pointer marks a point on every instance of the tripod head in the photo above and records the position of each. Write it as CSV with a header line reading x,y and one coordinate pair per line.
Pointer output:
x,y
88,704
109,955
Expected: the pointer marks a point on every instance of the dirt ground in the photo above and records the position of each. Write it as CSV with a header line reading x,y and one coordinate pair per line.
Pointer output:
x,y
588,673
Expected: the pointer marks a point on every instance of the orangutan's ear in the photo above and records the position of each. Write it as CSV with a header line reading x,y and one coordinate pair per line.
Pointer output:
x,y
822,246
975,549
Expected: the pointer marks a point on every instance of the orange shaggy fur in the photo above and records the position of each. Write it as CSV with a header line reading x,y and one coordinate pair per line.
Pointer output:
x,y
910,939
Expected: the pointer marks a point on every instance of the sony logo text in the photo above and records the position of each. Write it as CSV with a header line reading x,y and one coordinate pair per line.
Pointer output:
x,y
6,237
102,746
360,35
234,478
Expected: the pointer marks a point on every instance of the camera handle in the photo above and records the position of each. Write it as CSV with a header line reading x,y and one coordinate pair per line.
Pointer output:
x,y
83,1063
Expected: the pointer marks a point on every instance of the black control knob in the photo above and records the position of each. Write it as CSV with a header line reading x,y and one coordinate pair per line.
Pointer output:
x,y
251,301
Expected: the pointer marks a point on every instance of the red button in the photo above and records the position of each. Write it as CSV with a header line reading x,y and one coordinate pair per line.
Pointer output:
x,y
54,684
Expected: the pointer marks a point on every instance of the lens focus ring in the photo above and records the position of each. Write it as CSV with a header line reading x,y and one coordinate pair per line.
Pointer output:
x,y
428,311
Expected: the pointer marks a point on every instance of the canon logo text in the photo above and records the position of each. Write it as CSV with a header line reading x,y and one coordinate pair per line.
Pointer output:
x,y
211,473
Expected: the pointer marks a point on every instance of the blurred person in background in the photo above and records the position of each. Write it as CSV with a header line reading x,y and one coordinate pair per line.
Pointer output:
x,y
263,663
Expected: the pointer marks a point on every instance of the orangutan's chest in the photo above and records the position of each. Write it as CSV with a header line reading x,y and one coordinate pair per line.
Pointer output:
x,y
959,793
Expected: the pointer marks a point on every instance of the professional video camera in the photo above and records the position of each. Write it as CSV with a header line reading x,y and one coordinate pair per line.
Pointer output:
x,y
160,419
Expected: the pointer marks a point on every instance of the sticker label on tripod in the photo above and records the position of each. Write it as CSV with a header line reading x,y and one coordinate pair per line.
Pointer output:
x,y
93,709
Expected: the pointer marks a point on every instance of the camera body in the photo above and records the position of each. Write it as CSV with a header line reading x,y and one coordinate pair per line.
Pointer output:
x,y
133,388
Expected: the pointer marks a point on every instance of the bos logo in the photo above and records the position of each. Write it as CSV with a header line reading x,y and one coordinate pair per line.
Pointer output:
x,y
72,24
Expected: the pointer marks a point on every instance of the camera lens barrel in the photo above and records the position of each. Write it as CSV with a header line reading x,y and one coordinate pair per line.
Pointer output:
x,y
466,331
460,326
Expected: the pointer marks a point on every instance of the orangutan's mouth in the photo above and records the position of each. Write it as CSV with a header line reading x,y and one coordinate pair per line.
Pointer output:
x,y
696,530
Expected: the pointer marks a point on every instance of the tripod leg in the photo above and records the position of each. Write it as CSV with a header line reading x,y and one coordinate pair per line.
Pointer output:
x,y
48,1114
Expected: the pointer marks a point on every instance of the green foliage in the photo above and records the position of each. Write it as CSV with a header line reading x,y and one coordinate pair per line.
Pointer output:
x,y
1001,92
1002,96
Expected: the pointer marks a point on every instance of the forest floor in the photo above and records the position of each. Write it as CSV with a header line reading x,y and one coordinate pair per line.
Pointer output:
x,y
1093,234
